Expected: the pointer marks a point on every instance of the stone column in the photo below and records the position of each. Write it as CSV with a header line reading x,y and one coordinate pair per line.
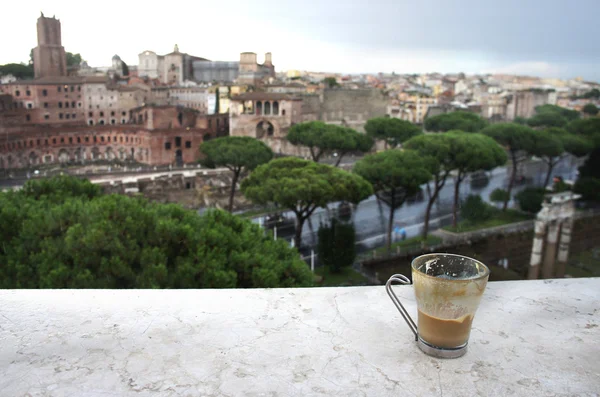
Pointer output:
x,y
563,247
551,248
536,251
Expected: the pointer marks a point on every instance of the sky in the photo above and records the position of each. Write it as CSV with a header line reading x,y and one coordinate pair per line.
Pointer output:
x,y
546,38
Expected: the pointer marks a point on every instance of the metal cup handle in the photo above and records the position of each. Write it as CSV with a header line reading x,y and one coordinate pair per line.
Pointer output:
x,y
388,287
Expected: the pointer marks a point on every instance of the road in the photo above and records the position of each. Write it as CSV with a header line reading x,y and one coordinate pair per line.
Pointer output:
x,y
370,217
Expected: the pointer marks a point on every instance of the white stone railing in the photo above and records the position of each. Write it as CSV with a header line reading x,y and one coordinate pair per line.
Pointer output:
x,y
529,338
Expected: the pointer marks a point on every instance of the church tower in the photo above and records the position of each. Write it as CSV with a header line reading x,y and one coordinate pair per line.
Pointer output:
x,y
49,57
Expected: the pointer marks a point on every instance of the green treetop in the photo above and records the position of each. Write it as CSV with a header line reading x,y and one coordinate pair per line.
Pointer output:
x,y
395,175
459,120
393,131
303,186
321,139
515,138
238,154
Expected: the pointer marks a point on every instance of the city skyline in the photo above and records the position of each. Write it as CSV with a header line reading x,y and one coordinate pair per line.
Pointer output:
x,y
515,38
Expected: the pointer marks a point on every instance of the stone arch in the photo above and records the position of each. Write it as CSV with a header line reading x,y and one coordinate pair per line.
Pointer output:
x,y
264,129
63,156
78,154
33,158
110,154
95,153
48,158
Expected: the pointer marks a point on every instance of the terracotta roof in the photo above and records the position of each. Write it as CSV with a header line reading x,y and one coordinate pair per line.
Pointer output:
x,y
252,96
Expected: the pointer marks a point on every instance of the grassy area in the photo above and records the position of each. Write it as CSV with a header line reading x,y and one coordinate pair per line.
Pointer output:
x,y
408,244
347,276
500,218
586,264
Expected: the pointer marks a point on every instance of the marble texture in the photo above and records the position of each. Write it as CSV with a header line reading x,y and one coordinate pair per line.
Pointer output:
x,y
530,338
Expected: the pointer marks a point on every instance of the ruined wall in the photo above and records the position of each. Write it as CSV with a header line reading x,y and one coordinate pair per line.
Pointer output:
x,y
514,246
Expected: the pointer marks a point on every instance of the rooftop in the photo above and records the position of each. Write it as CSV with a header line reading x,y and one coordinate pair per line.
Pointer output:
x,y
251,96
529,338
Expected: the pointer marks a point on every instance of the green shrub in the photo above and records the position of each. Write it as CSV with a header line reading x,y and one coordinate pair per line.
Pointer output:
x,y
499,196
336,246
589,188
474,209
530,199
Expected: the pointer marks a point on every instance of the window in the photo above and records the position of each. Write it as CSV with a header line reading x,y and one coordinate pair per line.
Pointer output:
x,y
70,140
87,139
79,105
60,116
283,112
28,93
17,93
101,139
46,104
28,118
73,104
95,139
108,138
177,141
46,116
112,113
38,142
91,122
122,121
78,140
167,145
54,141
101,122
44,92
46,142
67,104
59,88
31,143
90,114
112,121
78,88
188,144
67,116
60,105
62,140
122,113
127,139
73,115
101,114
29,106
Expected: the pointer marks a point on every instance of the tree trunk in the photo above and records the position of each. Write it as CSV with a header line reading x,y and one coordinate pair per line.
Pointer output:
x,y
390,223
456,198
432,198
339,160
299,225
551,165
236,175
513,176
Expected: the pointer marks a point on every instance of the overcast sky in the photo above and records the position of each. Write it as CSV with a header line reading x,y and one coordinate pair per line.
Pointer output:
x,y
548,38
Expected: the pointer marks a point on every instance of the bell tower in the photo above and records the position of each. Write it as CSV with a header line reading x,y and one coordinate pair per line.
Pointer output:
x,y
49,57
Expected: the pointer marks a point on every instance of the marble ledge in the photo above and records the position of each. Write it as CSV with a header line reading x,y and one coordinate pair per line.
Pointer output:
x,y
530,338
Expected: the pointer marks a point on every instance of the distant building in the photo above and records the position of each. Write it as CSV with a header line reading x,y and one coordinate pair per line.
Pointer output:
x,y
215,71
523,103
173,68
49,57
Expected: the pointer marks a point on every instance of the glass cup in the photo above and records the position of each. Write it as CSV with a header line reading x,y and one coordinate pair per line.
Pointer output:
x,y
448,289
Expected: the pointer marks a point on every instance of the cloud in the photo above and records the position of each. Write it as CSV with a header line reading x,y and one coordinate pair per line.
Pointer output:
x,y
539,68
